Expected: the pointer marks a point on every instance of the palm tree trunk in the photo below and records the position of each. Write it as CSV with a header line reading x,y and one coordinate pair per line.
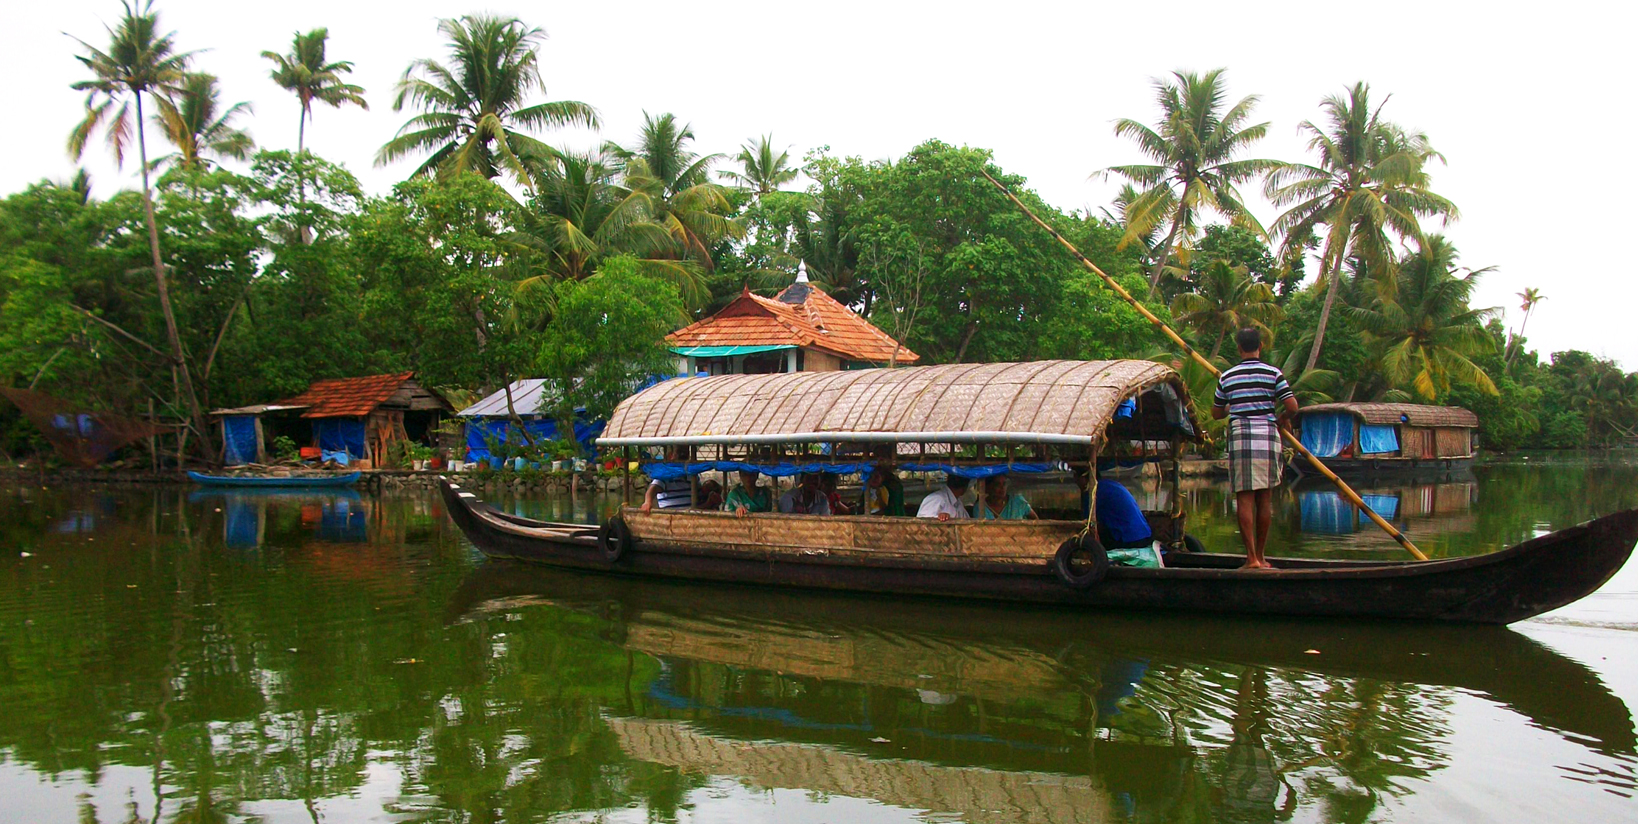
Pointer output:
x,y
1335,273
301,133
1165,252
159,280
1218,346
1518,339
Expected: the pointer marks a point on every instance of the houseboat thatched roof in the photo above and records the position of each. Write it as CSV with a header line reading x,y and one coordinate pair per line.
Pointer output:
x,y
1063,402
1393,414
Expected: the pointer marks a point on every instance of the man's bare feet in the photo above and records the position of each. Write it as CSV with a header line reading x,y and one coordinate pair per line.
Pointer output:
x,y
1258,566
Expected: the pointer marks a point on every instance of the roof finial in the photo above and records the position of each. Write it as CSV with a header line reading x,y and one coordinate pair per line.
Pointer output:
x,y
801,271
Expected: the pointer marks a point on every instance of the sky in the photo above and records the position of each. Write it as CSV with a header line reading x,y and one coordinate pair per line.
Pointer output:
x,y
1510,94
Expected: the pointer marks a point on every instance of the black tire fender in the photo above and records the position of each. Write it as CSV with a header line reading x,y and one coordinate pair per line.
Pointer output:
x,y
614,539
1081,562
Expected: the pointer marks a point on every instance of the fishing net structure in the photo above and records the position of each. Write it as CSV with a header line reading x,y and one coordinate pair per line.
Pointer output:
x,y
80,436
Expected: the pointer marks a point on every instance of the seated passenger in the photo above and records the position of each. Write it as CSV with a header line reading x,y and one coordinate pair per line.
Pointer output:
x,y
884,492
710,495
674,493
945,504
1120,520
994,505
827,483
748,497
806,498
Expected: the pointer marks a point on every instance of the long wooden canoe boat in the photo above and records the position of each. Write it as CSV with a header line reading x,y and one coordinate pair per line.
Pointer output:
x,y
979,419
275,481
1499,588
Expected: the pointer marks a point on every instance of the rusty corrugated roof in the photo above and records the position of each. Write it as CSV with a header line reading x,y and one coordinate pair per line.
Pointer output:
x,y
347,397
802,315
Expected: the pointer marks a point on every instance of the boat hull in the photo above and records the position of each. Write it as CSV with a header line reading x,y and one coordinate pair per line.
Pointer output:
x,y
1499,588
294,482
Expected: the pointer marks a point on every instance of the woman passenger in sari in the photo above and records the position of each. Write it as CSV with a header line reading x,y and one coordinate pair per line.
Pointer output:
x,y
994,503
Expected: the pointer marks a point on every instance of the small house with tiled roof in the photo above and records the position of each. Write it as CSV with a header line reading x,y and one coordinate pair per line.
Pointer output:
x,y
803,329
362,417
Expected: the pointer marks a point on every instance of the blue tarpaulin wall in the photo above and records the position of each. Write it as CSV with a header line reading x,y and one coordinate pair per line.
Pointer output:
x,y
1375,440
239,439
480,431
1327,434
340,435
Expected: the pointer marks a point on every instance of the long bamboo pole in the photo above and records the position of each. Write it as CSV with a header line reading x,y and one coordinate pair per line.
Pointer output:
x,y
1347,491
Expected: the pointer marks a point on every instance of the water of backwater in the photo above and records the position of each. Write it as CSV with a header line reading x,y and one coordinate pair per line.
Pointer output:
x,y
201,656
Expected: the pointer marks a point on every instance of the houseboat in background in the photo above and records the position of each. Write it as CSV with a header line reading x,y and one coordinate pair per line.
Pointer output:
x,y
1361,438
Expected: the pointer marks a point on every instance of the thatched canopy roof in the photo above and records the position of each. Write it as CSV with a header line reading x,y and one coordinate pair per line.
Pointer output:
x,y
1064,402
1393,414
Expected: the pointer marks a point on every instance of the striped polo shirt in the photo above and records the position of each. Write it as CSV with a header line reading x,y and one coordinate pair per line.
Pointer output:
x,y
1252,389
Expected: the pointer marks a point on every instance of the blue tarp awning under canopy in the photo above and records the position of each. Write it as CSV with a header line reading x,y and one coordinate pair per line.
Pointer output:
x,y
665,471
725,351
239,439
1327,434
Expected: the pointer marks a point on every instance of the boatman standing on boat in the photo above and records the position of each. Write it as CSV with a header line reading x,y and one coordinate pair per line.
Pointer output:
x,y
1256,399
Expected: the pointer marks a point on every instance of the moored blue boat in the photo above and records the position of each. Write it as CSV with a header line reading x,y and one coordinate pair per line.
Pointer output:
x,y
286,481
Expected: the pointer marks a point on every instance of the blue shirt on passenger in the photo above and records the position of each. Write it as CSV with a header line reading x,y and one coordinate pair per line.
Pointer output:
x,y
1120,519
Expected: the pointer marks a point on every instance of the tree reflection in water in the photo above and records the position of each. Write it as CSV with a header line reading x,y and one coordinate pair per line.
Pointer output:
x,y
338,674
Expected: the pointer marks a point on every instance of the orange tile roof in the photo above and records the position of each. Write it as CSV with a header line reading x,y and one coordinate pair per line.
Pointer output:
x,y
803,315
347,397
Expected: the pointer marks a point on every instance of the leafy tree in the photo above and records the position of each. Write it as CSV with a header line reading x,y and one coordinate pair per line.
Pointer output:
x,y
191,118
1193,171
600,343
762,170
476,108
1422,325
1228,299
676,180
138,61
580,215
1371,179
311,76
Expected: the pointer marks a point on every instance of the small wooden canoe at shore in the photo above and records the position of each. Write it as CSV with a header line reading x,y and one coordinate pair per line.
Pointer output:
x,y
780,550
279,481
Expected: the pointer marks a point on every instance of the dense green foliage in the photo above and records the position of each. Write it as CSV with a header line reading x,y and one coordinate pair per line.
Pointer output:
x,y
495,259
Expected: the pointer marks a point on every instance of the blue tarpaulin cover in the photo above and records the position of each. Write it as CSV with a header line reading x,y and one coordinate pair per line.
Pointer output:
x,y
340,435
1375,440
481,431
238,439
1327,434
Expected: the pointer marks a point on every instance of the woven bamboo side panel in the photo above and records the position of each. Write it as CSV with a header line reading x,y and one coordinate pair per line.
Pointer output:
x,y
998,540
1450,442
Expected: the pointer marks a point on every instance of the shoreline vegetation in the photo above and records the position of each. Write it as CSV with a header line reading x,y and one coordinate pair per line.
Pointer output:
x,y
238,273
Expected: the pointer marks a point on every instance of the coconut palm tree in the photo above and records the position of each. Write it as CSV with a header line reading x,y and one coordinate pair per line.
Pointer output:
x,y
1371,180
1425,332
677,180
475,109
580,215
190,120
1530,297
762,171
1194,170
307,73
1228,299
138,61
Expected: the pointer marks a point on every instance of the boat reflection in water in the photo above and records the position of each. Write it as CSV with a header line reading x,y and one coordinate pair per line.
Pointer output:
x,y
998,714
1439,505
